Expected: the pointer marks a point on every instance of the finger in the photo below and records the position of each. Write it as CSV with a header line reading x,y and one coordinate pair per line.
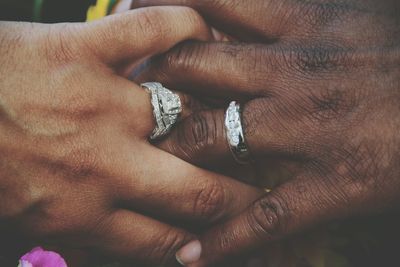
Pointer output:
x,y
133,237
141,33
179,192
216,69
271,128
190,194
248,70
199,139
242,19
295,206
267,21
132,103
125,5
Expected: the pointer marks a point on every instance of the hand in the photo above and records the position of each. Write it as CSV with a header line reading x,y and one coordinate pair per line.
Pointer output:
x,y
321,89
76,169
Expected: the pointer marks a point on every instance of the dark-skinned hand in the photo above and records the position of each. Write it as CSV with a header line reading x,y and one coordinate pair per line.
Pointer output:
x,y
320,86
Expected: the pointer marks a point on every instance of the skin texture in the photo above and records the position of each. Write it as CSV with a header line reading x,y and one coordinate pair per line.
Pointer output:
x,y
76,168
320,86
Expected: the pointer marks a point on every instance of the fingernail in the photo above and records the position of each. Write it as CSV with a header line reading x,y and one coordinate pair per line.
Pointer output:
x,y
189,253
122,6
217,35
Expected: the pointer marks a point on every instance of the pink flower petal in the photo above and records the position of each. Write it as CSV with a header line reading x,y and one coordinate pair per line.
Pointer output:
x,y
41,258
23,263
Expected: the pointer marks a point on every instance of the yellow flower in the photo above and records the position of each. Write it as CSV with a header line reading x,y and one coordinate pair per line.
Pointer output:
x,y
99,10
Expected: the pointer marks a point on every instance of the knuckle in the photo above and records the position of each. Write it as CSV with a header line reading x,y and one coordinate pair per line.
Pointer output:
x,y
358,161
254,59
314,60
200,132
267,119
167,246
320,14
319,58
267,218
149,22
210,201
183,58
332,104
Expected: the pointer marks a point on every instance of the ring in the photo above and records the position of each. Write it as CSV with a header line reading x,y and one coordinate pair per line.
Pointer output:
x,y
167,107
235,135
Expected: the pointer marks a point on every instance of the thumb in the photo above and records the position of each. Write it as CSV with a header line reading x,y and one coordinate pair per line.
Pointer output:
x,y
141,33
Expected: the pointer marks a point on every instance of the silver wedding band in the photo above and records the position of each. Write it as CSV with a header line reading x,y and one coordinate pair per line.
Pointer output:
x,y
167,107
235,134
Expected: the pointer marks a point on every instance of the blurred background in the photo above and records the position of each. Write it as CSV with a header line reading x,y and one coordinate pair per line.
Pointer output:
x,y
48,11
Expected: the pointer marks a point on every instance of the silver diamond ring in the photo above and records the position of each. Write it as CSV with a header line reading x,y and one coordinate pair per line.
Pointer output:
x,y
167,108
234,133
